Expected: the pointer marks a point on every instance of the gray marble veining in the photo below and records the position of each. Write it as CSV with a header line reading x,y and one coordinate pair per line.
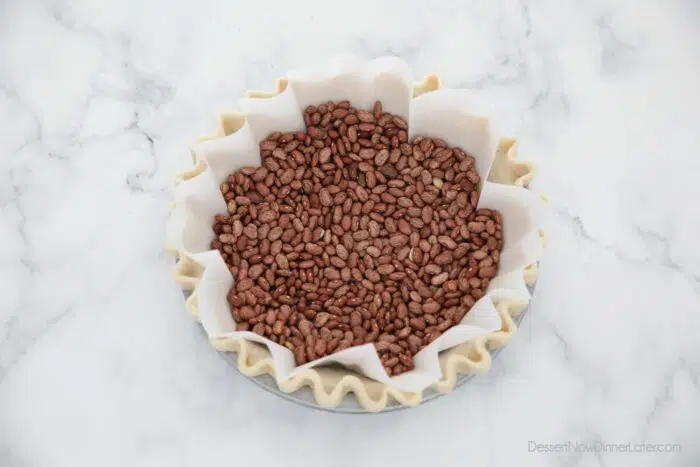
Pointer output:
x,y
99,103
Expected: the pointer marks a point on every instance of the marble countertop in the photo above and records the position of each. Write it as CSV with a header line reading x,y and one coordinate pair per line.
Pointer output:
x,y
101,365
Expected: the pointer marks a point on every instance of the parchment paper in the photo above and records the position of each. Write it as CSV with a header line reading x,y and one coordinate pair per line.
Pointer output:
x,y
457,116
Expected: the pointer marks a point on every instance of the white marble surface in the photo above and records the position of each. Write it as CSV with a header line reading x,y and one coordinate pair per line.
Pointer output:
x,y
99,101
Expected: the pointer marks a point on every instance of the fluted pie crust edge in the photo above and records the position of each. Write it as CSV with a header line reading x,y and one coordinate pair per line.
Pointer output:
x,y
330,385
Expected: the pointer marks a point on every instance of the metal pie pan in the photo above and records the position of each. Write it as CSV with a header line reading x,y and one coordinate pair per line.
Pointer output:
x,y
304,396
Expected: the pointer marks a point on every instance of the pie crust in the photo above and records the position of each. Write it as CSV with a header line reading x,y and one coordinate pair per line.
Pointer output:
x,y
330,384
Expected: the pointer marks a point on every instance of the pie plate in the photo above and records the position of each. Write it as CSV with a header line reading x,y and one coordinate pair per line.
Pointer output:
x,y
349,404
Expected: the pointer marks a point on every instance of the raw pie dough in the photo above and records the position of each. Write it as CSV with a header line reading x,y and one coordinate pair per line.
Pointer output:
x,y
329,385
